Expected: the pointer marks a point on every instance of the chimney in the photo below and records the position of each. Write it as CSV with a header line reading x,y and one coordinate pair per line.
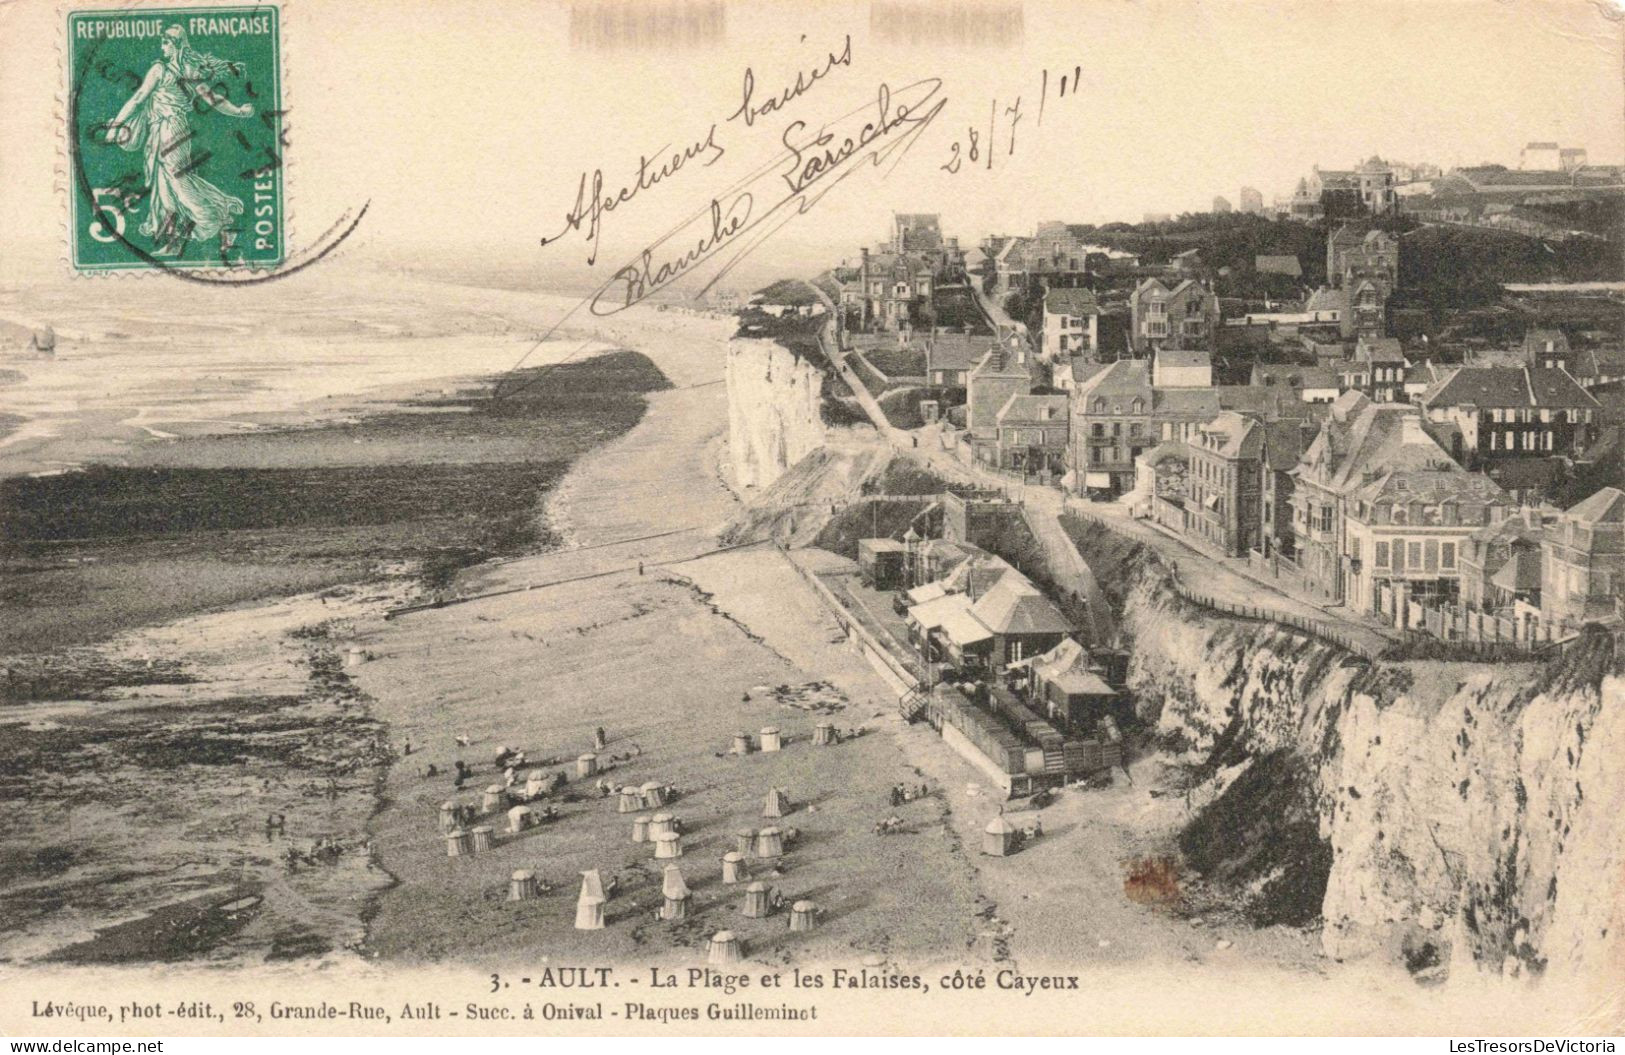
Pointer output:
x,y
1411,430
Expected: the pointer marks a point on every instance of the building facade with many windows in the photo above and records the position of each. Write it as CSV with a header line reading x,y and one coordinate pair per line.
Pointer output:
x,y
1172,314
1406,533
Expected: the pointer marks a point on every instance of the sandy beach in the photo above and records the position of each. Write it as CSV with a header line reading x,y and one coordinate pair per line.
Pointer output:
x,y
672,659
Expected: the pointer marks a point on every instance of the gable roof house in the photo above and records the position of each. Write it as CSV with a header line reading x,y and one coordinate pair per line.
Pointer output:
x,y
1499,412
1032,434
1583,576
1358,439
1404,535
1022,620
1181,313
1071,324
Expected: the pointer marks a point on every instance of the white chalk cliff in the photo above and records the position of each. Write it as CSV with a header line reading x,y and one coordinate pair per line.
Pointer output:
x,y
1466,815
773,410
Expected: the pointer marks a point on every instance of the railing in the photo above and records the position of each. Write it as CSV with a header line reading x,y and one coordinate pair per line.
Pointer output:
x,y
896,670
1413,644
1312,627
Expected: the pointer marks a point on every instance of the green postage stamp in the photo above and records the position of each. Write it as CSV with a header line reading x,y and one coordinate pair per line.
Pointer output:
x,y
176,138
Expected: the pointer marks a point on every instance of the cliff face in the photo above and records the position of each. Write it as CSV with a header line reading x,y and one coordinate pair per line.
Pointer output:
x,y
1439,814
773,418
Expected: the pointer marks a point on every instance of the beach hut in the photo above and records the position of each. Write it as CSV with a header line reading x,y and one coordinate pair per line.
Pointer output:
x,y
522,886
586,765
482,838
756,901
741,744
630,801
999,838
802,914
654,795
668,844
590,913
675,891
745,842
661,824
448,816
496,798
536,784
733,867
823,734
640,829
777,803
520,818
459,843
354,656
724,949
592,885
769,844
770,738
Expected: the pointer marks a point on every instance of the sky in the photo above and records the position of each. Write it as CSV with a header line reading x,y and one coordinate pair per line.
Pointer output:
x,y
465,126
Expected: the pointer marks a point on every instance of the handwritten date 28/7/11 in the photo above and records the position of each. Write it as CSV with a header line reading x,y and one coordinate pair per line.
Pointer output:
x,y
979,151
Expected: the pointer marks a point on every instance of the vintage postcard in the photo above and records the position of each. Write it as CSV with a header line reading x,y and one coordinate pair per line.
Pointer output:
x,y
665,517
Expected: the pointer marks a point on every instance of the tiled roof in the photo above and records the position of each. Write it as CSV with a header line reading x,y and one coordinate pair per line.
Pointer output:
x,y
1523,474
1071,302
1030,408
1015,606
1520,573
1327,299
1183,357
1273,264
1083,369
1362,436
1269,402
1512,529
1198,403
1284,442
1125,378
1271,374
1606,506
931,614
956,351
1379,350
1508,386
1432,486
1236,436
1165,450
962,627
1555,388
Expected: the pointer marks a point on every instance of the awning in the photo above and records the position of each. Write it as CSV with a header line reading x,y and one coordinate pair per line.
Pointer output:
x,y
1097,479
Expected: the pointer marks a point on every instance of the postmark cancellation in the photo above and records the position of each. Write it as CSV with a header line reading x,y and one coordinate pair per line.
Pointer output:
x,y
176,137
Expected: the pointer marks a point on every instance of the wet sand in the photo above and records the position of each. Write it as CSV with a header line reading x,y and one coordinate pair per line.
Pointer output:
x,y
161,703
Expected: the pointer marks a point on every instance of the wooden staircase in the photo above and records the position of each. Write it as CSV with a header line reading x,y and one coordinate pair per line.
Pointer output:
x,y
912,703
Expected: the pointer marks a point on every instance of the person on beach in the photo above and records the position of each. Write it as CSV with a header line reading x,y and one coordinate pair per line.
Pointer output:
x,y
157,121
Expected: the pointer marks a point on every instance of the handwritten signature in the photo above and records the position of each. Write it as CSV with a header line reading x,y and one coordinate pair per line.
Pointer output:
x,y
811,167
593,204
804,83
591,209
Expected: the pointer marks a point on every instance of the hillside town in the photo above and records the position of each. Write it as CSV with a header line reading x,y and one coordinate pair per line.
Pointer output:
x,y
1311,434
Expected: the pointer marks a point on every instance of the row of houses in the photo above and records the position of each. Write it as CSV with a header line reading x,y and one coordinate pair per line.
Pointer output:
x,y
1375,514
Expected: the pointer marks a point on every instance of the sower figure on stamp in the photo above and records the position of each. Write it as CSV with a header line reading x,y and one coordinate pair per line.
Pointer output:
x,y
182,205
